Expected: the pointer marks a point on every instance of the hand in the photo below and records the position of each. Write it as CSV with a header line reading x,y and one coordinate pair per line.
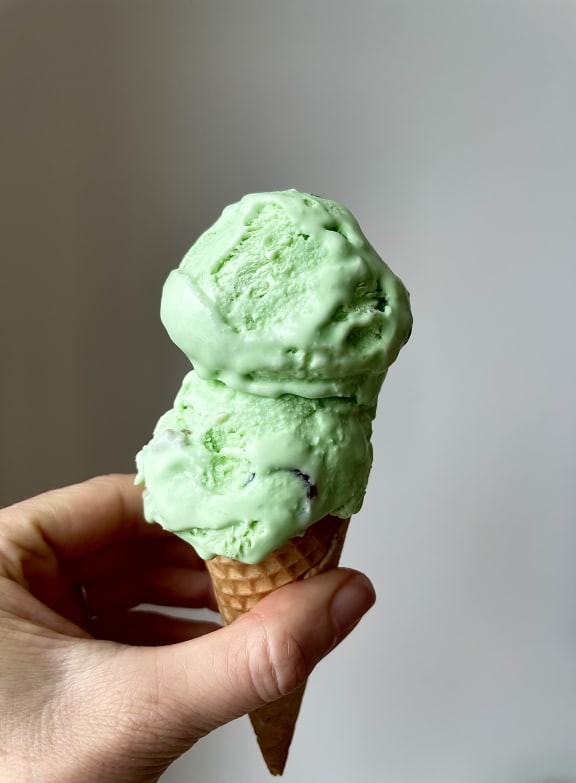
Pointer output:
x,y
93,690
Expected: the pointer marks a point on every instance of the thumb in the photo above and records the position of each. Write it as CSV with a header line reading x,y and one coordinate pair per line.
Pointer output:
x,y
264,655
145,706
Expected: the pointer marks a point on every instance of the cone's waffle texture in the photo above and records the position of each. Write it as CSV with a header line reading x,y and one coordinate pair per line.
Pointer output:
x,y
239,586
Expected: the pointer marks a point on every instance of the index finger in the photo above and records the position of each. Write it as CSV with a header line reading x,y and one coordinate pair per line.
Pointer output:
x,y
82,518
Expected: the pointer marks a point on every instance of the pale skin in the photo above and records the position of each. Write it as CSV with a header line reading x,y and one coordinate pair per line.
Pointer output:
x,y
117,696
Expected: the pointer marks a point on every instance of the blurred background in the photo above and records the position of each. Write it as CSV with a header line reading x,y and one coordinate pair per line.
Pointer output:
x,y
449,129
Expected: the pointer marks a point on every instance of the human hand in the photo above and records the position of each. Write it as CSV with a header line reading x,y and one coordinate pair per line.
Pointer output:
x,y
116,696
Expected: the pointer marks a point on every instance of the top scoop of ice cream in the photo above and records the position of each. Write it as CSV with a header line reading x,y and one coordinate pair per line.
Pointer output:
x,y
284,294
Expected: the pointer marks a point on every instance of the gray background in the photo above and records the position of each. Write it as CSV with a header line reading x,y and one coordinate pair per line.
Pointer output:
x,y
449,130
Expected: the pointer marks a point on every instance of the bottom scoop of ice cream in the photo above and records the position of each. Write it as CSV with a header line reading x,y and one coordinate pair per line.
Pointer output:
x,y
237,474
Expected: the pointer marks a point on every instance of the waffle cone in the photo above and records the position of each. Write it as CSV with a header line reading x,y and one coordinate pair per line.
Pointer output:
x,y
239,586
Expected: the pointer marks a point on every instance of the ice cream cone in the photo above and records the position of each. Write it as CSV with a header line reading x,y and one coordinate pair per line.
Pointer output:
x,y
239,586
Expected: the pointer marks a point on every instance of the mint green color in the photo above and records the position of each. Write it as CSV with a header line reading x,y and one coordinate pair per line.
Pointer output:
x,y
284,294
238,474
291,321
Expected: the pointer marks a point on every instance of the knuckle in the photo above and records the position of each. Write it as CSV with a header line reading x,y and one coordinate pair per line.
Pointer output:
x,y
276,662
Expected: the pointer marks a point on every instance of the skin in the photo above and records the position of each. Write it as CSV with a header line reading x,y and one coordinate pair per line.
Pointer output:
x,y
116,697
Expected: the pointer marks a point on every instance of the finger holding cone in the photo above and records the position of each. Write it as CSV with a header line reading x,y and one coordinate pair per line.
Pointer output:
x,y
238,588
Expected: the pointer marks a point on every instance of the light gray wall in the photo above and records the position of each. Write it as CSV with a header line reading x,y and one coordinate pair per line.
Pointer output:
x,y
448,128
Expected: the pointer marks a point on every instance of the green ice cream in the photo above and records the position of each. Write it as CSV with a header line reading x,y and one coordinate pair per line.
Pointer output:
x,y
291,320
284,294
238,474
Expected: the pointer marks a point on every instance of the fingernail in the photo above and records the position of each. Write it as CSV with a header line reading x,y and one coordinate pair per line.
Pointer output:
x,y
351,602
